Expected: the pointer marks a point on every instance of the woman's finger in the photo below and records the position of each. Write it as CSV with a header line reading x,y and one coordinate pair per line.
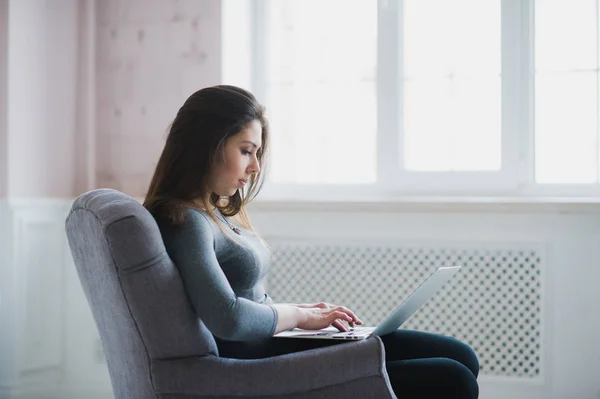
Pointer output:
x,y
350,313
339,315
339,325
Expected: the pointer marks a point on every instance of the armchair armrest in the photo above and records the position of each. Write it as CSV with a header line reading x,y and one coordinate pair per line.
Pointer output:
x,y
348,368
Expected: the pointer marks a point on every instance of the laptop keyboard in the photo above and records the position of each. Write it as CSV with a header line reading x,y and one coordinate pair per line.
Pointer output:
x,y
355,332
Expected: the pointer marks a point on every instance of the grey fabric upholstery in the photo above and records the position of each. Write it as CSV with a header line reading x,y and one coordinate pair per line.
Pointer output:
x,y
155,345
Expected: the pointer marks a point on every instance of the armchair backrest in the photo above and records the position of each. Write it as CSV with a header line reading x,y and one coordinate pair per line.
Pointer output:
x,y
135,292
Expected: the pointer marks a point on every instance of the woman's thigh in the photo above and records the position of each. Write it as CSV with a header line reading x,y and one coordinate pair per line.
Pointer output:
x,y
408,344
271,347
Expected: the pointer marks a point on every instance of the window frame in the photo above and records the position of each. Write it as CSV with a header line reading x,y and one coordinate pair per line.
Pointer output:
x,y
515,179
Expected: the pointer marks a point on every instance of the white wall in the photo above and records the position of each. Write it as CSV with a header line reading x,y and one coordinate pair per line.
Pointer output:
x,y
38,100
151,57
87,90
3,96
85,119
42,81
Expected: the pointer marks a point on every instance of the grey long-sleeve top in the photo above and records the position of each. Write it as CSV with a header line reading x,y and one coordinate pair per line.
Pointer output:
x,y
223,280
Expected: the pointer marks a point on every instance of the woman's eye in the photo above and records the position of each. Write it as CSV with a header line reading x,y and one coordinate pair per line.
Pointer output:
x,y
246,152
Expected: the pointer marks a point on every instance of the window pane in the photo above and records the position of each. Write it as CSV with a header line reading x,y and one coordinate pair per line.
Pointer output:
x,y
458,37
566,93
452,125
565,35
321,90
452,87
566,128
323,133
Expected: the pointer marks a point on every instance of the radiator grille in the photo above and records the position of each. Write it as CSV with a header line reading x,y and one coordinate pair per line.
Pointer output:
x,y
493,303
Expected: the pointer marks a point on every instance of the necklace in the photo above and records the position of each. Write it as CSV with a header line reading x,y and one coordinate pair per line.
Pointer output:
x,y
231,226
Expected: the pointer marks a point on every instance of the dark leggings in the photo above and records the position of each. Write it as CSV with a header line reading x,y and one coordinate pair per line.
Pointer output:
x,y
419,364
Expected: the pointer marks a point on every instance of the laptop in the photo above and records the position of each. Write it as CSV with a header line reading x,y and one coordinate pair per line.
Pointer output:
x,y
393,321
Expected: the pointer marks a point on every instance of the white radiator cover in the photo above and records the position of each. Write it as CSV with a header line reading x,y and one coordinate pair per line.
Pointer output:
x,y
493,303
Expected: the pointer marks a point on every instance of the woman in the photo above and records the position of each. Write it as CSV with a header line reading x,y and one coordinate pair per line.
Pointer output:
x,y
210,169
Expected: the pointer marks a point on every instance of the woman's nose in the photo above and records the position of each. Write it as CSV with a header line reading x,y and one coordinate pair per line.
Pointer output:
x,y
254,166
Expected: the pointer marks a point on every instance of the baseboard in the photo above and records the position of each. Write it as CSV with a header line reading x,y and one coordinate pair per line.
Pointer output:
x,y
100,392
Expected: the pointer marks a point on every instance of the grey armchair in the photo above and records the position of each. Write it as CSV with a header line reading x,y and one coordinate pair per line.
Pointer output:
x,y
155,345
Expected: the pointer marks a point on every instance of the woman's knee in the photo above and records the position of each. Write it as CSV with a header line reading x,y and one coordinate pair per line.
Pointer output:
x,y
467,356
432,377
462,380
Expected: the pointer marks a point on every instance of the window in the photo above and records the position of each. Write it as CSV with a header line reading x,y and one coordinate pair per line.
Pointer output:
x,y
429,96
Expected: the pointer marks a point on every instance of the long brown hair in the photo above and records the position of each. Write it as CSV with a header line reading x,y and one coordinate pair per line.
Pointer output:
x,y
195,142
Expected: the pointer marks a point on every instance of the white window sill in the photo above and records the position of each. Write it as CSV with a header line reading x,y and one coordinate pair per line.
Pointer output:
x,y
437,204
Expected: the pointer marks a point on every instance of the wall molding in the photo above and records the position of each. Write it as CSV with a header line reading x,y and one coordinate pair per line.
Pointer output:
x,y
34,300
87,392
8,357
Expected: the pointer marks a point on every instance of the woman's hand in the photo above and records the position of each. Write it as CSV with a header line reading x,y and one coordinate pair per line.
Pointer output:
x,y
321,315
313,317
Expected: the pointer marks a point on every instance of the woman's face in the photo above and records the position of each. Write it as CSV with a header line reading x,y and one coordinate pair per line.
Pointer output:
x,y
240,163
